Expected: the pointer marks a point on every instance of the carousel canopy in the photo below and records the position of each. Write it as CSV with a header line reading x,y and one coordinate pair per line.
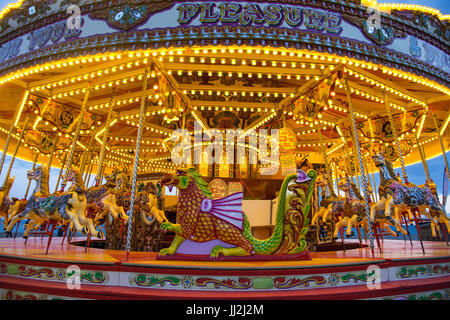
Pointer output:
x,y
227,66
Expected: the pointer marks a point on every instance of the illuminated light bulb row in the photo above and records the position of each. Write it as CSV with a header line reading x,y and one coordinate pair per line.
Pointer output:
x,y
420,80
157,159
313,144
91,75
118,103
245,109
250,62
306,132
261,123
133,140
236,93
428,140
412,7
249,74
99,86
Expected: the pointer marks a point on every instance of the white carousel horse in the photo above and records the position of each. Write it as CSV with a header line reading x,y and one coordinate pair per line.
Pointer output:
x,y
63,208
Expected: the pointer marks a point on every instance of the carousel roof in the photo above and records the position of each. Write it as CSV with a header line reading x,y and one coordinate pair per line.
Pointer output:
x,y
225,87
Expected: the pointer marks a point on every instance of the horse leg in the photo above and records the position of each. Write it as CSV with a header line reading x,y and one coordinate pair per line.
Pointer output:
x,y
338,226
350,223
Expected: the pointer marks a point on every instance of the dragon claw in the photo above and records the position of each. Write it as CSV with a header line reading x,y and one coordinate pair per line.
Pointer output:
x,y
216,251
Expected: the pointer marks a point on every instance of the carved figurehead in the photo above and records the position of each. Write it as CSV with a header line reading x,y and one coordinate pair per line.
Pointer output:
x,y
201,218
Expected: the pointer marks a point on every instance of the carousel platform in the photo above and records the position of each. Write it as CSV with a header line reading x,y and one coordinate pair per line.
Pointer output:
x,y
26,272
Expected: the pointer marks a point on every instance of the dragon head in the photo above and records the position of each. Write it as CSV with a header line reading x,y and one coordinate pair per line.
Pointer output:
x,y
183,178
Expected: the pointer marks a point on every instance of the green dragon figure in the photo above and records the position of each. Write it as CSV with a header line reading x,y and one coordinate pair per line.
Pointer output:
x,y
201,218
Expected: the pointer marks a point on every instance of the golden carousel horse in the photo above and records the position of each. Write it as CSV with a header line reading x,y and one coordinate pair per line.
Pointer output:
x,y
329,200
354,208
439,217
64,207
7,205
103,198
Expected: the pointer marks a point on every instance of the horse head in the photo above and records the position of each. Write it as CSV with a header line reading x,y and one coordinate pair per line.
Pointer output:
x,y
378,159
38,173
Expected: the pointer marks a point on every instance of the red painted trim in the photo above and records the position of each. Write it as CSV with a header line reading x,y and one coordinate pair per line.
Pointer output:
x,y
261,271
430,260
116,292
48,263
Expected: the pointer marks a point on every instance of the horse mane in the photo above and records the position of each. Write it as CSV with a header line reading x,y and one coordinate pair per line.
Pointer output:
x,y
356,190
390,169
201,183
44,186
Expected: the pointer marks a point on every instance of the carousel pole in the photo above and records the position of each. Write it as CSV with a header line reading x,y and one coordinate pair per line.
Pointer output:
x,y
17,115
136,159
328,173
51,154
34,166
86,154
90,171
361,166
16,150
394,133
75,137
441,142
63,163
99,176
424,159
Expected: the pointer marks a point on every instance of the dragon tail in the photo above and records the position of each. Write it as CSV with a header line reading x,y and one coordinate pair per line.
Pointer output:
x,y
291,218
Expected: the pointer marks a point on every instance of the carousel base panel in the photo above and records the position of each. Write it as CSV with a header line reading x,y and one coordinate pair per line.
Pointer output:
x,y
401,271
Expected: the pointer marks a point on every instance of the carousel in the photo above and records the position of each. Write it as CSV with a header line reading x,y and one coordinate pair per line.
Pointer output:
x,y
224,150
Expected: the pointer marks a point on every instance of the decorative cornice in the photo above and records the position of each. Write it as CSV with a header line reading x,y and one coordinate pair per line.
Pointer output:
x,y
226,35
435,32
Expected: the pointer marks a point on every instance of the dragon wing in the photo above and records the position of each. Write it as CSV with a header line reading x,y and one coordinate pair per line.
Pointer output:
x,y
228,209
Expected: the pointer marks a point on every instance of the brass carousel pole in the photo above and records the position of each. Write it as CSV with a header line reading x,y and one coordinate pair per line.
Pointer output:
x,y
75,137
16,150
361,166
34,167
99,176
16,118
88,174
63,164
86,154
441,143
136,159
394,133
52,154
424,159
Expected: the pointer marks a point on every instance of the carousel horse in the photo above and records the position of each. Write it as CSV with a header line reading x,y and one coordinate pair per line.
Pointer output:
x,y
354,207
328,202
63,208
148,197
103,198
6,204
400,197
437,216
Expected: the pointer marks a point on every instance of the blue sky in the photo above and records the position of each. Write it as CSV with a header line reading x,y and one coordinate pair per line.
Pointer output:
x,y
442,5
